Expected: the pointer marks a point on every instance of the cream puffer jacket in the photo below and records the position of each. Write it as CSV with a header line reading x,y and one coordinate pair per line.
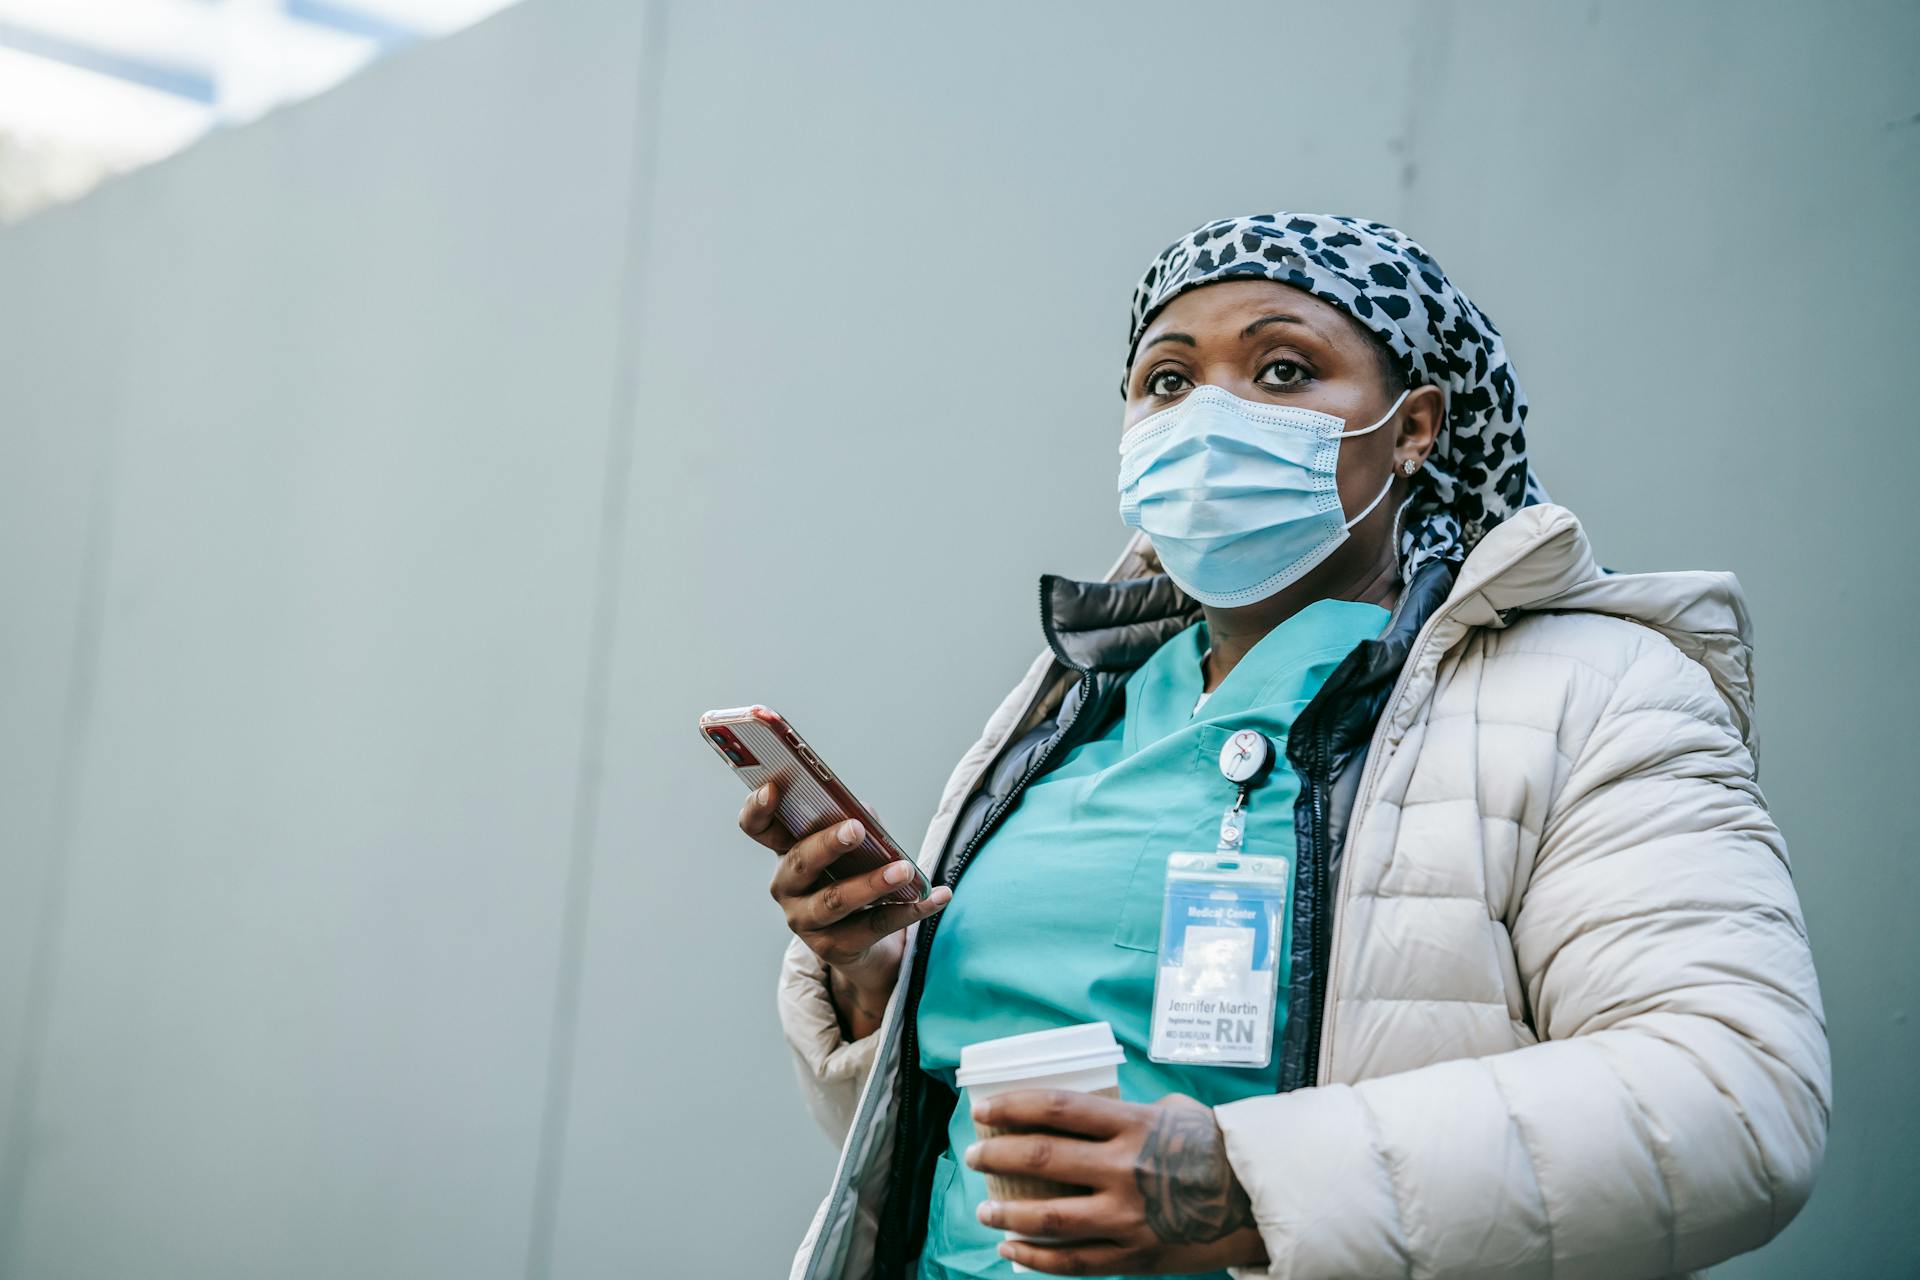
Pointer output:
x,y
1572,1026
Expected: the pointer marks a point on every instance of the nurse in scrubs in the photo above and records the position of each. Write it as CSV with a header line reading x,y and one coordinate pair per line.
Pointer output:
x,y
1318,431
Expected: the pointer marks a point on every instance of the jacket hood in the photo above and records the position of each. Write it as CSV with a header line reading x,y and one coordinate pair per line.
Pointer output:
x,y
1538,560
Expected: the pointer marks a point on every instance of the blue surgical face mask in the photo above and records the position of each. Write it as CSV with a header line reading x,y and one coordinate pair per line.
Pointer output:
x,y
1238,497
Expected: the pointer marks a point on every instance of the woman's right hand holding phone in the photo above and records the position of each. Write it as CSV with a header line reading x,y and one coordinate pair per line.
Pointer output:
x,y
860,944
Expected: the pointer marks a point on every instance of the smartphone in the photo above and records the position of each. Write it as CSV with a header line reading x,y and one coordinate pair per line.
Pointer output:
x,y
760,746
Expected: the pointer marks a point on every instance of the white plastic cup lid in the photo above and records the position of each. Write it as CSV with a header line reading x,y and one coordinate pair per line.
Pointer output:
x,y
1039,1053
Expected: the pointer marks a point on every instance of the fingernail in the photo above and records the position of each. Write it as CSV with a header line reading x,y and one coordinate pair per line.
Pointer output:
x,y
940,897
1006,1250
986,1211
896,873
980,1110
971,1154
764,795
850,832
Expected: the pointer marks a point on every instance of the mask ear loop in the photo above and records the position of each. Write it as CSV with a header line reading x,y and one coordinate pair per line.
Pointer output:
x,y
1385,489
1397,511
1384,419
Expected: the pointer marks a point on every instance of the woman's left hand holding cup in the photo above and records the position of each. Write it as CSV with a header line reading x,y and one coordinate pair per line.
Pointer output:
x,y
1161,1196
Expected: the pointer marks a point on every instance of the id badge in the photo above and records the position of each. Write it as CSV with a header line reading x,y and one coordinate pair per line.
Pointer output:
x,y
1221,926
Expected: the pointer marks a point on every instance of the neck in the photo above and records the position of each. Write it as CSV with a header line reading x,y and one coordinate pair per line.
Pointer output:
x,y
1367,579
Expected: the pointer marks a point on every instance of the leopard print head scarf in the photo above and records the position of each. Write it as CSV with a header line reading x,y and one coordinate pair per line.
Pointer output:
x,y
1477,474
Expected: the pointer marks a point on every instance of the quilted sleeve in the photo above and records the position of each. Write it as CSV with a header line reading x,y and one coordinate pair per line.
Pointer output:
x,y
1675,1112
832,1069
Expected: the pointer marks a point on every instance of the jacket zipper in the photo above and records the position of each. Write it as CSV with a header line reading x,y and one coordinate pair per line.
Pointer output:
x,y
916,980
1327,917
1322,913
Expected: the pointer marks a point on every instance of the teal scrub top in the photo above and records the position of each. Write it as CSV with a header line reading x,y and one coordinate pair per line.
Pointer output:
x,y
1058,919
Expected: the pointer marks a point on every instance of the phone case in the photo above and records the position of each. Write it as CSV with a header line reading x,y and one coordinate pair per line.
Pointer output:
x,y
759,745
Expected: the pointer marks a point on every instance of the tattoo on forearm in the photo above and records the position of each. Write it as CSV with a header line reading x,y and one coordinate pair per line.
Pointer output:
x,y
1191,1194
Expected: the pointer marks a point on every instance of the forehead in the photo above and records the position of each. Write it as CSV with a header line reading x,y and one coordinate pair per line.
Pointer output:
x,y
1232,304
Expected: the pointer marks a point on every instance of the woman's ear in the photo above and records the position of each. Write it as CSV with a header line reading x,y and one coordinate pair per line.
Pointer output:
x,y
1420,422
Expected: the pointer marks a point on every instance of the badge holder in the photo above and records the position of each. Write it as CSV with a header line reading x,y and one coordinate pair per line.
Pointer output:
x,y
1221,924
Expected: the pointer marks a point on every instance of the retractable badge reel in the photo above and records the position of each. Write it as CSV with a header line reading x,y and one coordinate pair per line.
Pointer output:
x,y
1222,923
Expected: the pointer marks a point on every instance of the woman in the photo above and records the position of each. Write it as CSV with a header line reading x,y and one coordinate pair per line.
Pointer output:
x,y
1545,1005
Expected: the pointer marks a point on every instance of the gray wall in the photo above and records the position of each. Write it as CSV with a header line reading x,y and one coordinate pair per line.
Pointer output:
x,y
384,487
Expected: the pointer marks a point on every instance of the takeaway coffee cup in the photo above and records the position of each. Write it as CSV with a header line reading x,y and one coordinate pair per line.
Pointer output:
x,y
1083,1058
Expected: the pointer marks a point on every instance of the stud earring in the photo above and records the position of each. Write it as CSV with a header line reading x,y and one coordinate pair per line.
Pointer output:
x,y
1408,466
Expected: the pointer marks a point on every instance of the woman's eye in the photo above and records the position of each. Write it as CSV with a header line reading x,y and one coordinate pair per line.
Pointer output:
x,y
1165,382
1283,373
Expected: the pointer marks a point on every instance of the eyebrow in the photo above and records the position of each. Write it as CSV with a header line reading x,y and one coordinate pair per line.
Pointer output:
x,y
1186,339
1264,321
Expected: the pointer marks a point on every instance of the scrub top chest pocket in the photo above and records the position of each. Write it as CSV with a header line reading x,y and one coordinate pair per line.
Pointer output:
x,y
1190,821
